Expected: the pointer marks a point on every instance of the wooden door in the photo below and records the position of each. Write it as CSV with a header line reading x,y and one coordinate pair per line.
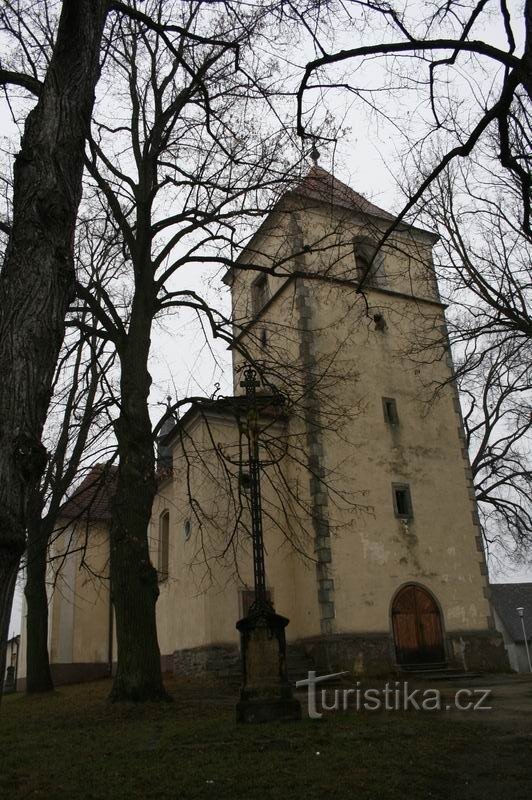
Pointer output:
x,y
417,627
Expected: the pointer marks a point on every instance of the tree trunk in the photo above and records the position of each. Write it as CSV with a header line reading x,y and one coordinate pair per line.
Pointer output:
x,y
527,55
9,562
133,577
38,675
37,279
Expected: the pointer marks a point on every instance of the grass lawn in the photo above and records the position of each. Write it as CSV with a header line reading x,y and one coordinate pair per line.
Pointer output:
x,y
73,744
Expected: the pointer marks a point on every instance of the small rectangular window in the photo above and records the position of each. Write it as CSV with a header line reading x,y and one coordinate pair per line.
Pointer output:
x,y
389,407
260,293
402,501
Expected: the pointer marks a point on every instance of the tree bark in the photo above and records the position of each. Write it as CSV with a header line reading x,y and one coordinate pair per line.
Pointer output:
x,y
133,577
527,55
37,278
38,674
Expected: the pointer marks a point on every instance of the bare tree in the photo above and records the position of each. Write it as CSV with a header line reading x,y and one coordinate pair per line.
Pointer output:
x,y
483,261
496,401
78,432
37,278
426,51
58,60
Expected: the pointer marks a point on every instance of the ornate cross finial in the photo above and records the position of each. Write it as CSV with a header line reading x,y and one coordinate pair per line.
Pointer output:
x,y
250,382
315,154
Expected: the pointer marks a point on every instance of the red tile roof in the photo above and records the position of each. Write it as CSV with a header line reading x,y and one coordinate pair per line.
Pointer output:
x,y
320,185
92,499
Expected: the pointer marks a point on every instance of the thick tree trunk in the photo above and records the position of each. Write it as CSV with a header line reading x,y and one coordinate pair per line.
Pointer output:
x,y
37,278
133,577
527,56
38,674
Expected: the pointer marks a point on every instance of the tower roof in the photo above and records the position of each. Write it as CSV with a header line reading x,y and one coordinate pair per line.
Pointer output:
x,y
320,185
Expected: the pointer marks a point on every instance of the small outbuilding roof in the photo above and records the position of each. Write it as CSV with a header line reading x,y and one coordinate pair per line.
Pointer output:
x,y
92,499
506,598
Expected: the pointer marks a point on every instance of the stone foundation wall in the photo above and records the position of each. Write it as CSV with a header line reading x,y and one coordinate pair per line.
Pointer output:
x,y
482,651
365,654
219,661
358,654
373,654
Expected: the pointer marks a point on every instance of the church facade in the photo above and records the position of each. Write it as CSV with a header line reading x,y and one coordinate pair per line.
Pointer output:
x,y
372,542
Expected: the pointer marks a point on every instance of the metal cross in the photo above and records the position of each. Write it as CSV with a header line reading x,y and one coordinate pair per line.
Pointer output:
x,y
250,384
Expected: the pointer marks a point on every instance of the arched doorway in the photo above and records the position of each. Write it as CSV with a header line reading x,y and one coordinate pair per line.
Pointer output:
x,y
417,629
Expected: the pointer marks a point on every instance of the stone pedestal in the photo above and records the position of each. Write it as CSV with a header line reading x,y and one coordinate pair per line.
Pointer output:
x,y
9,684
266,694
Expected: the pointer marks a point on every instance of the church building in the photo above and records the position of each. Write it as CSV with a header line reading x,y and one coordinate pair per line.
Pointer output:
x,y
372,542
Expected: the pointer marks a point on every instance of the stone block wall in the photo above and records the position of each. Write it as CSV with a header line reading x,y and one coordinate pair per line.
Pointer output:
x,y
219,661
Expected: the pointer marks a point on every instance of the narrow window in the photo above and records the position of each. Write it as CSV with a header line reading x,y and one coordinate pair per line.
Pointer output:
x,y
389,407
259,293
187,529
365,256
263,339
164,539
402,502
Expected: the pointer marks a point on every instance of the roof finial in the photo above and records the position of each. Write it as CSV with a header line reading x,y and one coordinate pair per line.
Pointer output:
x,y
168,402
315,154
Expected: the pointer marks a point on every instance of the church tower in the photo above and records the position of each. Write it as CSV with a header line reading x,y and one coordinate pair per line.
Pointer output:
x,y
353,330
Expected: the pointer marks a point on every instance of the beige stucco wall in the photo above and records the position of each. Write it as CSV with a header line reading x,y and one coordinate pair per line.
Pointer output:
x,y
21,672
201,601
79,606
373,552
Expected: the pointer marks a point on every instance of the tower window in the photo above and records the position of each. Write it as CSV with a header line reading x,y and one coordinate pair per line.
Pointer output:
x,y
164,541
380,322
365,254
264,339
260,293
389,407
402,501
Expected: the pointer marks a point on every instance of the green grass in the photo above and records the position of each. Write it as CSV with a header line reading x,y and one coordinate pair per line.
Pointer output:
x,y
73,744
